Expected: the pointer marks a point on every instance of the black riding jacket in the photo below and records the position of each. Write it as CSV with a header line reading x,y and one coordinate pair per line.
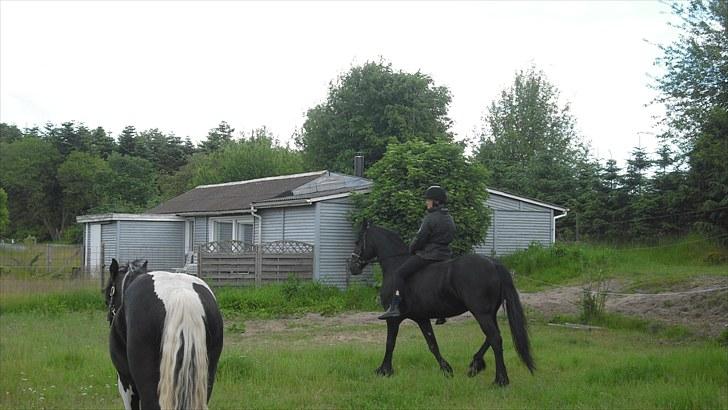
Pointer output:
x,y
436,232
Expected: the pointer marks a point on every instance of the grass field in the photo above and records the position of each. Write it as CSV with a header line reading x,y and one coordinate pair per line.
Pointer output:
x,y
53,345
60,361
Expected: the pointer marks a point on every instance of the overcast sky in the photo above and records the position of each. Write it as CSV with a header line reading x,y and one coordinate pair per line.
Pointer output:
x,y
183,67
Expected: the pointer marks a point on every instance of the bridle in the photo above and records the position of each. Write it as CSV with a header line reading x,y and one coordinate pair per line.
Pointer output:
x,y
356,258
112,308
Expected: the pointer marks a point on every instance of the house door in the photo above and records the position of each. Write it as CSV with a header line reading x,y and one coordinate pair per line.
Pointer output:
x,y
94,249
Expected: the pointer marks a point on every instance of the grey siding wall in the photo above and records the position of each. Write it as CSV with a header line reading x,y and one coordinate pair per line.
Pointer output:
x,y
335,244
514,226
109,239
159,242
200,230
295,224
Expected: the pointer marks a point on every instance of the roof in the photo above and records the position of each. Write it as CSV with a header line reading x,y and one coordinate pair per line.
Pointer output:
x,y
309,198
284,190
528,200
126,217
233,196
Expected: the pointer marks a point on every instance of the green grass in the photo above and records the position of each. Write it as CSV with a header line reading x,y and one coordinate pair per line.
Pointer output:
x,y
657,267
60,361
292,297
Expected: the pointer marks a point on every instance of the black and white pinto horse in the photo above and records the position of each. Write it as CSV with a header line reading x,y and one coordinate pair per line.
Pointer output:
x,y
166,337
469,283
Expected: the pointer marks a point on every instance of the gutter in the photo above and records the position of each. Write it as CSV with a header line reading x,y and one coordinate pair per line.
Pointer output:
x,y
260,224
553,233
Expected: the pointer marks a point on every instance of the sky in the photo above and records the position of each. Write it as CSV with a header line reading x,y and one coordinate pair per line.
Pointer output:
x,y
185,66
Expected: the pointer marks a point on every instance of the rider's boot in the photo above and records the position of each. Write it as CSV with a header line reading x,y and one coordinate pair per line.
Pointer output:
x,y
393,310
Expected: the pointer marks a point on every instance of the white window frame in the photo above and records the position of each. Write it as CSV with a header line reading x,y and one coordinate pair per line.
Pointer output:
x,y
235,220
189,235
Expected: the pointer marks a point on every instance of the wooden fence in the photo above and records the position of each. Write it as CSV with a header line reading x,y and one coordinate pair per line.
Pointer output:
x,y
236,263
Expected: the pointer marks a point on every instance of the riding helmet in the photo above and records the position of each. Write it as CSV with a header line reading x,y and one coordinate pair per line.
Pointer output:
x,y
436,193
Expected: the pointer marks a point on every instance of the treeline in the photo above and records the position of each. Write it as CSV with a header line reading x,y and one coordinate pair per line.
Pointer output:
x,y
51,175
527,144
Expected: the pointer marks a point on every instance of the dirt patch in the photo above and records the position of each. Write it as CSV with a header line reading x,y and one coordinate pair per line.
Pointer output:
x,y
704,312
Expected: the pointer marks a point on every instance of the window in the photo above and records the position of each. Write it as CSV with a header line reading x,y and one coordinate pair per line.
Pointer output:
x,y
223,231
244,233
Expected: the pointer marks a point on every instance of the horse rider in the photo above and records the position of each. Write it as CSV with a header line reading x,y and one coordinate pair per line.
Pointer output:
x,y
432,244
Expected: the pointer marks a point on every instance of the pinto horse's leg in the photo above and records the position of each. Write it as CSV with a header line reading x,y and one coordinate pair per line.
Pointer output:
x,y
426,328
493,337
478,363
392,329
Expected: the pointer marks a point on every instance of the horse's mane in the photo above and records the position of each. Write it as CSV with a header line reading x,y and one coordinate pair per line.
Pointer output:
x,y
391,236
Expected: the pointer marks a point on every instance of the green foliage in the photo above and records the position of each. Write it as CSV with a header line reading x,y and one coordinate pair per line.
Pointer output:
x,y
695,66
368,106
401,178
217,138
84,179
28,175
4,215
257,156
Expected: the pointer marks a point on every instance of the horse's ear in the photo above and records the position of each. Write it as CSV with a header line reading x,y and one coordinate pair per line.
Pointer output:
x,y
114,268
144,267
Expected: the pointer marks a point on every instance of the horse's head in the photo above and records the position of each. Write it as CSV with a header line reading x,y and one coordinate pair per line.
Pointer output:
x,y
364,250
120,277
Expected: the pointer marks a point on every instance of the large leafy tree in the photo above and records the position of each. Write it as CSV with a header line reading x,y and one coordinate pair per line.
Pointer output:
x,y
366,108
530,145
28,175
404,173
694,88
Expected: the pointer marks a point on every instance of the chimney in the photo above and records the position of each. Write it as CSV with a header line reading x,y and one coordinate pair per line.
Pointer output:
x,y
359,165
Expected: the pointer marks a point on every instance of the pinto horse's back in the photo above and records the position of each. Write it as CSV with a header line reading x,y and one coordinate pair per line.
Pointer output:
x,y
177,341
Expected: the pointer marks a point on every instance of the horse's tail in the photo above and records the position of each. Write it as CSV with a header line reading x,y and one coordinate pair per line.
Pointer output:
x,y
516,318
183,369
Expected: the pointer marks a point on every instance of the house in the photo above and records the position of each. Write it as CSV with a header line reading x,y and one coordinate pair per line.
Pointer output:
x,y
313,208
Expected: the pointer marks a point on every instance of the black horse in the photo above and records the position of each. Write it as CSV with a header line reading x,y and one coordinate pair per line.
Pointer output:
x,y
469,283
166,337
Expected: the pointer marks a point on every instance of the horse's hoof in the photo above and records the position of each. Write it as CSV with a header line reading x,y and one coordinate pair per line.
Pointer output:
x,y
476,366
501,381
384,371
446,369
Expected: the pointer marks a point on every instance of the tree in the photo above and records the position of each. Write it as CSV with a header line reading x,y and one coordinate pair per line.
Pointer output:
x,y
133,185
9,133
694,89
127,141
365,108
530,145
695,79
218,137
404,173
28,175
255,156
4,215
84,179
